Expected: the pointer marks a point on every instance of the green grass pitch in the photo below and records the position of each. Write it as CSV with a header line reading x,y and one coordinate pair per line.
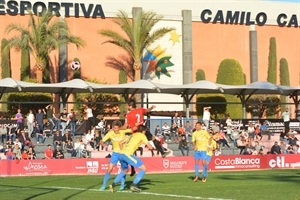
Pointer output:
x,y
256,185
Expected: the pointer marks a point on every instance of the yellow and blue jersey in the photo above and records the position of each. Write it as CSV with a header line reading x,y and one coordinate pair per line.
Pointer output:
x,y
200,138
115,138
212,148
133,142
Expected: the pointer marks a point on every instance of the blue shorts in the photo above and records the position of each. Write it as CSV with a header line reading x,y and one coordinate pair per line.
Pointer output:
x,y
132,160
200,155
114,158
208,158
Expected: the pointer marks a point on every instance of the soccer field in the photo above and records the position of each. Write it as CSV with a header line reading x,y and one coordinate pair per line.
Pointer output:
x,y
267,185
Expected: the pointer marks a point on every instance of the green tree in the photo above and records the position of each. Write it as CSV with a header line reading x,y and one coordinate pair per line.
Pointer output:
x,y
200,75
272,65
284,77
122,79
93,98
230,73
139,35
262,105
217,110
25,64
5,59
43,35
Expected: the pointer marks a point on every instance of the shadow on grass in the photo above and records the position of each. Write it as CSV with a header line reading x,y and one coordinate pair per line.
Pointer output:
x,y
44,188
277,176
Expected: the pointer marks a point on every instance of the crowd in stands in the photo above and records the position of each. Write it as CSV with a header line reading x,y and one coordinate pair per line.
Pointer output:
x,y
19,144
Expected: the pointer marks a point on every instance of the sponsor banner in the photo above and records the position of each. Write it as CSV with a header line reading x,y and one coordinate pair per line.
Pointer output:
x,y
154,165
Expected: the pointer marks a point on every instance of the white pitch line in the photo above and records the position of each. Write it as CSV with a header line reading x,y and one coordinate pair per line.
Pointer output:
x,y
147,193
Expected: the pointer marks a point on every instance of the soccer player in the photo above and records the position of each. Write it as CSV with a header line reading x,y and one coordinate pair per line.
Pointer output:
x,y
127,157
200,140
210,150
115,136
135,116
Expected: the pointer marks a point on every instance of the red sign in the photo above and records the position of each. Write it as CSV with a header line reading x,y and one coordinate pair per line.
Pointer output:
x,y
154,165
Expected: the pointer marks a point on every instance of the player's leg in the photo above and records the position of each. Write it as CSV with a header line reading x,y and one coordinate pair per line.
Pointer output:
x,y
205,168
113,161
196,167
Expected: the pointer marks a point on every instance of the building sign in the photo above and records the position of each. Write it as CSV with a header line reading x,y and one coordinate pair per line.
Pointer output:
x,y
67,9
246,18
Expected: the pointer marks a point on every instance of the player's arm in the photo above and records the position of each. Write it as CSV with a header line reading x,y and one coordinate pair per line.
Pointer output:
x,y
122,142
194,142
105,138
151,108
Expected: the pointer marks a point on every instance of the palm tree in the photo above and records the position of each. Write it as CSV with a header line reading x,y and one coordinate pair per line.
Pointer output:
x,y
139,35
42,37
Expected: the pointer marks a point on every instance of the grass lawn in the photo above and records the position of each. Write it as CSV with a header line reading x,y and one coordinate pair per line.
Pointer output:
x,y
256,185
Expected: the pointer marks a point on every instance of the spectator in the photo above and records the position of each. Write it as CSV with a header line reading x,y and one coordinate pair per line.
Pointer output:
x,y
228,121
31,153
257,132
166,131
297,149
290,149
251,130
70,149
51,117
264,129
215,128
97,139
283,148
19,118
235,135
9,143
72,121
26,140
11,133
206,116
17,141
157,130
249,149
25,155
39,133
229,131
188,130
79,146
275,149
9,154
57,139
65,138
183,146
30,122
286,119
173,133
48,153
89,137
58,154
241,144
39,117
257,147
3,132
292,139
223,139
284,136
17,151
63,120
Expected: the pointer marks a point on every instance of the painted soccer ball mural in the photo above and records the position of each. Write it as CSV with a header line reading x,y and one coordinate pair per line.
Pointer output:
x,y
75,65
